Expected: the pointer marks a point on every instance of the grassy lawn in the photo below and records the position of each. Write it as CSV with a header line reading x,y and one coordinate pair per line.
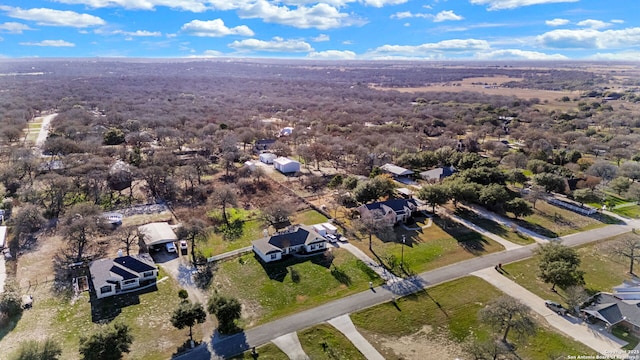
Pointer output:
x,y
66,321
444,243
602,271
632,211
621,333
552,221
268,351
269,291
494,227
309,217
456,317
325,342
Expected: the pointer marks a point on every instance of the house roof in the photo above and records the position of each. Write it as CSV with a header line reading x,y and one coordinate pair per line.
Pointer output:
x,y
157,233
397,205
284,161
302,235
612,310
438,173
396,170
110,271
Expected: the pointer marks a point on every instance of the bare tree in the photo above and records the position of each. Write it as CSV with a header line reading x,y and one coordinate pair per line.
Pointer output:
x,y
128,237
278,212
628,247
224,196
506,314
80,226
373,222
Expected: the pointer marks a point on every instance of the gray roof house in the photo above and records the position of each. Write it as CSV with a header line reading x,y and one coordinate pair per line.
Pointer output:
x,y
611,310
295,239
122,274
437,174
396,171
394,210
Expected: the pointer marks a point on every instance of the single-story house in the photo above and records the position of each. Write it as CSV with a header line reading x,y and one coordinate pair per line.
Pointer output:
x,y
268,158
157,233
394,211
3,236
263,145
396,171
286,165
114,276
611,310
286,131
437,174
294,240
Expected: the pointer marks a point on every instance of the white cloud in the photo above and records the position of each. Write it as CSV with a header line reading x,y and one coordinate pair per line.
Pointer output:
x,y
214,28
51,17
621,56
321,38
188,5
516,54
382,3
277,44
333,54
52,43
320,16
557,22
14,27
590,39
512,4
447,15
593,24
138,33
455,45
617,21
208,54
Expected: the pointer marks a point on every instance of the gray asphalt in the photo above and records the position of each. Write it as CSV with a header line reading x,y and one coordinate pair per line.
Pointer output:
x,y
225,347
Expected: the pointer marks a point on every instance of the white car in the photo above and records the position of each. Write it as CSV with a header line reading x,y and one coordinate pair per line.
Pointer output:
x,y
183,244
332,238
171,247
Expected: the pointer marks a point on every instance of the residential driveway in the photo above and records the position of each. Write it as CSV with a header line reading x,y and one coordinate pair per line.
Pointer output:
x,y
599,340
3,273
290,345
345,325
179,268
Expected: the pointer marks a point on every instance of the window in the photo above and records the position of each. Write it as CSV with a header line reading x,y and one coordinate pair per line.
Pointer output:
x,y
127,282
148,274
274,256
105,289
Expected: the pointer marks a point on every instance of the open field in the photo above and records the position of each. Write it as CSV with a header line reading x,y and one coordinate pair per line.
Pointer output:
x,y
602,271
553,221
494,227
269,291
409,330
443,243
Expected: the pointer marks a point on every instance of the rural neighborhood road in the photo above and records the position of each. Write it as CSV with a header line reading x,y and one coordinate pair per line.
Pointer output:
x,y
44,131
228,346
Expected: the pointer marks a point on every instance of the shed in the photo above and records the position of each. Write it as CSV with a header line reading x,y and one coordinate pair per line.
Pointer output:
x,y
267,158
157,233
286,165
395,170
320,229
3,236
250,165
330,228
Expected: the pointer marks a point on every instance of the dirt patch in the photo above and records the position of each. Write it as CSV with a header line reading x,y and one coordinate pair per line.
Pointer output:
x,y
301,298
417,345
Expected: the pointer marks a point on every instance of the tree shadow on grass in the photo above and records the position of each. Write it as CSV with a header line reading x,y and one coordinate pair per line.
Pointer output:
x,y
7,324
105,310
538,229
468,239
341,275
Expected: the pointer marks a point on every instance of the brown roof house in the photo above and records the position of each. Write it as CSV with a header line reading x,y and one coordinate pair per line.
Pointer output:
x,y
122,275
296,239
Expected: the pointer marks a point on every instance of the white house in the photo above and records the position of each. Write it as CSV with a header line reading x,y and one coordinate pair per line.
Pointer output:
x,y
250,165
294,240
286,165
393,211
267,158
3,236
122,274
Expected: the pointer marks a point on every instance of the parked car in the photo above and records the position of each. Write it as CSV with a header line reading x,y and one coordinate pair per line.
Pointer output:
x,y
171,247
555,307
183,244
332,238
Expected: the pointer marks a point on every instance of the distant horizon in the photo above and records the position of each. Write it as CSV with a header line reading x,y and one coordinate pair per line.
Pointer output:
x,y
358,30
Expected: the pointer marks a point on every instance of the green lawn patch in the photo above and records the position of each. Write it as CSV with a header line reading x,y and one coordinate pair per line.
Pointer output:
x,y
602,271
217,244
456,317
622,333
553,221
325,342
444,242
632,211
494,227
309,217
268,351
277,289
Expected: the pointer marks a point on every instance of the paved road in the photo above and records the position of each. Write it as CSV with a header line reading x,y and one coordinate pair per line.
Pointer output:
x,y
238,343
44,131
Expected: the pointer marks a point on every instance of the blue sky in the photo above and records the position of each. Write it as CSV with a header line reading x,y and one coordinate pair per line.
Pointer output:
x,y
323,29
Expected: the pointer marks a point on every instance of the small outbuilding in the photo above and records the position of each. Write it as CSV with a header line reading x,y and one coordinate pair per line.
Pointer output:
x,y
157,233
286,165
396,171
3,236
250,165
267,158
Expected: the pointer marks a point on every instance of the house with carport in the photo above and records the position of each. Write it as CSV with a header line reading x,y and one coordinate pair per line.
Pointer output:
x,y
156,234
123,274
294,240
